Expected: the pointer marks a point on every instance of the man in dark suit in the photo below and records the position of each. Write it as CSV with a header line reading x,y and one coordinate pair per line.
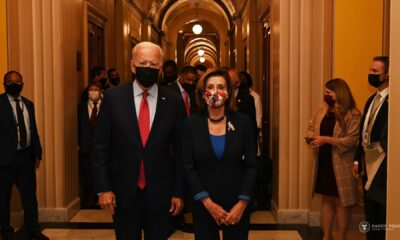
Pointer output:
x,y
244,101
138,126
185,86
21,153
374,126
87,118
170,72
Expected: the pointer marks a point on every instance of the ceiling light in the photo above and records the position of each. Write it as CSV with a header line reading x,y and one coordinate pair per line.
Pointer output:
x,y
202,59
201,52
197,29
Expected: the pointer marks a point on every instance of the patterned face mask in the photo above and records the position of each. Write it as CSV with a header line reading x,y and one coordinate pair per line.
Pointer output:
x,y
215,99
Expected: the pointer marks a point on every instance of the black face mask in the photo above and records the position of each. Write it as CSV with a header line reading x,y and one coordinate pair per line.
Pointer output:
x,y
147,76
374,81
103,81
114,81
13,89
190,88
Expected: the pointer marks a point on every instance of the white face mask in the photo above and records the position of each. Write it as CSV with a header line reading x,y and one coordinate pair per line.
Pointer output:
x,y
94,95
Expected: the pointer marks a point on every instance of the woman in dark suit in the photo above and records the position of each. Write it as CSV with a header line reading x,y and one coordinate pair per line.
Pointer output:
x,y
219,153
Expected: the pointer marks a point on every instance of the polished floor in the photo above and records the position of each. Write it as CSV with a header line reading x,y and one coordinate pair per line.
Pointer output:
x,y
96,225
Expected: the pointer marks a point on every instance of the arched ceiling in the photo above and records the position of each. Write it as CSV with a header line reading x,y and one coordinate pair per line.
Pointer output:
x,y
175,19
179,7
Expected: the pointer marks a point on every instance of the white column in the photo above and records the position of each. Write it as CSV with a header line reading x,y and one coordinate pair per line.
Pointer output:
x,y
393,186
297,73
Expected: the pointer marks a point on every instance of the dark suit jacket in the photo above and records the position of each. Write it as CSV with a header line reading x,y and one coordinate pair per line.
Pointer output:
x,y
85,140
229,177
8,132
377,190
118,148
245,104
174,86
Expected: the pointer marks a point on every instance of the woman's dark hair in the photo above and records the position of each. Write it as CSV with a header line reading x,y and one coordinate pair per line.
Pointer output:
x,y
344,98
201,87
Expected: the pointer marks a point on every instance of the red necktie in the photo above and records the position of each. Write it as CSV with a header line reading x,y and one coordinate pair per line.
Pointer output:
x,y
144,127
187,105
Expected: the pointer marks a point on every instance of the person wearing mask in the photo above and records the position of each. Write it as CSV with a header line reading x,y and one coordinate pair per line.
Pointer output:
x,y
97,75
87,118
201,70
219,154
244,101
113,77
136,175
21,154
333,133
170,72
185,85
371,160
246,83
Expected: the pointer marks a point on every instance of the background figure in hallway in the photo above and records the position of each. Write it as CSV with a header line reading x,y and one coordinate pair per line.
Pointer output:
x,y
170,72
201,70
219,153
333,133
113,77
98,75
87,117
185,85
138,126
244,101
373,140
21,154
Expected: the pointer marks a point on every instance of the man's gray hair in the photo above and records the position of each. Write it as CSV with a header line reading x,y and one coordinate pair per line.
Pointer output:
x,y
148,44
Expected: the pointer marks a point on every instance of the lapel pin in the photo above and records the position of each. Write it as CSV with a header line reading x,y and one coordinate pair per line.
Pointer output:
x,y
163,98
230,126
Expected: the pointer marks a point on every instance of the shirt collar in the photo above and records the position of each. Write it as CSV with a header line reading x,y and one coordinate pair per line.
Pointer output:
x,y
137,90
384,92
180,87
98,101
11,98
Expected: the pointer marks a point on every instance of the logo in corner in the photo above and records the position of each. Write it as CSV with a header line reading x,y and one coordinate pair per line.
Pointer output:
x,y
364,227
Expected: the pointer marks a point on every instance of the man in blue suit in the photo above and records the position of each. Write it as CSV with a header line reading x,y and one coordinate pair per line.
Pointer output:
x,y
137,167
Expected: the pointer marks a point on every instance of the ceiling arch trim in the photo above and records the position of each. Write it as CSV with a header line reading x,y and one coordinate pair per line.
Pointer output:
x,y
165,11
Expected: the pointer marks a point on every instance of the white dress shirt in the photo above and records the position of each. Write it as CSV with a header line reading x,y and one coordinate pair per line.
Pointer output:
x,y
151,100
258,105
26,118
383,94
182,90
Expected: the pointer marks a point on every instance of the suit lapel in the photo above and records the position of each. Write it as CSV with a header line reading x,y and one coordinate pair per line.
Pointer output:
x,y
206,136
228,136
130,107
8,109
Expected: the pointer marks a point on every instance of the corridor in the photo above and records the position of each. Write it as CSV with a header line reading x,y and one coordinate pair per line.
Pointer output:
x,y
283,52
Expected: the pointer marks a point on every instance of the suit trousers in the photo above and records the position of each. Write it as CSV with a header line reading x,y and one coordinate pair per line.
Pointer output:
x,y
205,227
22,173
375,215
129,223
